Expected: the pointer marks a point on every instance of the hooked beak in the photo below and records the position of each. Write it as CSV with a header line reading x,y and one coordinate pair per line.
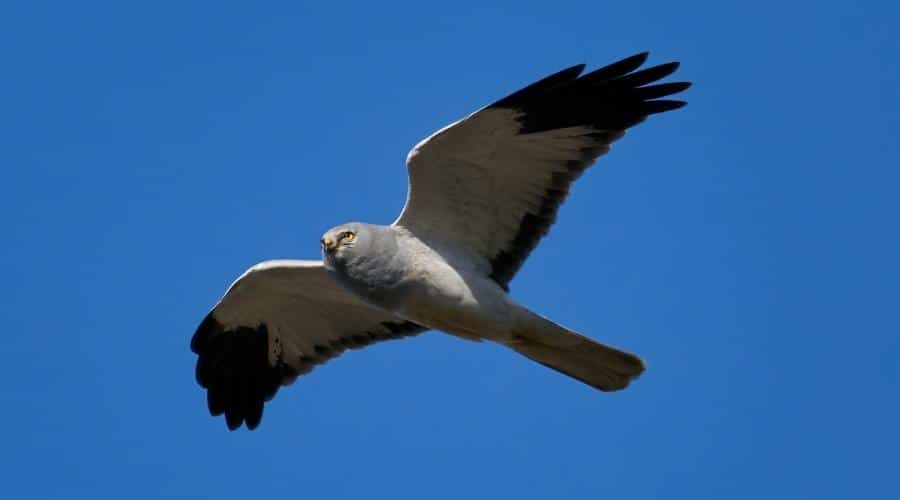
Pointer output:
x,y
327,244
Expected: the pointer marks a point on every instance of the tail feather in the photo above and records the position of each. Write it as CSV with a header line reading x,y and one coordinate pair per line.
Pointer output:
x,y
586,360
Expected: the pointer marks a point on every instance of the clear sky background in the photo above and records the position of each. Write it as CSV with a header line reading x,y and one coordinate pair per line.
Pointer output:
x,y
746,246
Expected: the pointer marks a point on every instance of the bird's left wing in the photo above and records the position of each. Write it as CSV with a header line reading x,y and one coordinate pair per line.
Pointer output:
x,y
488,186
277,321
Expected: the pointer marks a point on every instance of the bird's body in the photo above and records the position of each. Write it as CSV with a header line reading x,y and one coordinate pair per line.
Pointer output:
x,y
483,192
400,273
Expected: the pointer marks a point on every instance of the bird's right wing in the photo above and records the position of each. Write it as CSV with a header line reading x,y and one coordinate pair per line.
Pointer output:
x,y
488,187
277,321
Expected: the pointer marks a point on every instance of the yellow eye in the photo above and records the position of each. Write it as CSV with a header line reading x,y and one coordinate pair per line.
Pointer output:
x,y
348,236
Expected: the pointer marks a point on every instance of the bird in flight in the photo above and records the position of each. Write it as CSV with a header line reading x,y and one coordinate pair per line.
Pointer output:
x,y
483,191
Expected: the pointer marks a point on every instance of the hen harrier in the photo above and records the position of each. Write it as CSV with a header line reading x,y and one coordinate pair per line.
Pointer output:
x,y
482,192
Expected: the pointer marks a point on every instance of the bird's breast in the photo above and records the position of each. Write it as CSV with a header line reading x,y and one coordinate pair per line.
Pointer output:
x,y
379,282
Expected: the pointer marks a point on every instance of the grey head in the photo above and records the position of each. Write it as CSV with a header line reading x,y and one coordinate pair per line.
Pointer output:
x,y
346,242
358,247
364,259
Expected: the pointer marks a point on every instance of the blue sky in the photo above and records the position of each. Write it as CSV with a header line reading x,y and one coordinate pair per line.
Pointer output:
x,y
745,246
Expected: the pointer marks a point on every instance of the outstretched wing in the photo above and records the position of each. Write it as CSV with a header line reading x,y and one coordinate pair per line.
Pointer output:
x,y
277,321
488,186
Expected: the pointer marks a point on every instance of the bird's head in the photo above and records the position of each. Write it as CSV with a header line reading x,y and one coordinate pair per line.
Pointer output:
x,y
344,242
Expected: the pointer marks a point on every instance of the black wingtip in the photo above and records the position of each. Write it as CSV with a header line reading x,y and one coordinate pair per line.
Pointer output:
x,y
545,84
254,415
568,73
648,75
627,64
661,106
214,403
207,328
614,97
233,367
617,69
233,420
661,90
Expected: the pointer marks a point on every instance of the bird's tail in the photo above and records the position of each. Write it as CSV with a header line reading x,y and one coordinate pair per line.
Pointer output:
x,y
570,353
